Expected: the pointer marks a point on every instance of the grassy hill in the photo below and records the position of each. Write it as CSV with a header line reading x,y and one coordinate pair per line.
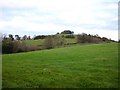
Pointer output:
x,y
41,41
91,66
34,42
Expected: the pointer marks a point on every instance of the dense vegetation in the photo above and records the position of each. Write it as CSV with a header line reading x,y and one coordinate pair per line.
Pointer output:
x,y
88,66
24,44
67,32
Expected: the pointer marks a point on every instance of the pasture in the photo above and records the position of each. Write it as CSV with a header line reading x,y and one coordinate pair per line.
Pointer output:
x,y
41,41
87,66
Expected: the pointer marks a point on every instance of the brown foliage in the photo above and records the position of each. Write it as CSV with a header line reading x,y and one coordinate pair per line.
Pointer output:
x,y
53,41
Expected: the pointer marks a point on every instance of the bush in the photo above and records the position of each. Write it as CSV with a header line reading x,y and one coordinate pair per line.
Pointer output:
x,y
48,43
53,41
84,38
40,37
9,46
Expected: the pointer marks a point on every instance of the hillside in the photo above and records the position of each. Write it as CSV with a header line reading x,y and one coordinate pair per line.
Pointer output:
x,y
41,41
89,66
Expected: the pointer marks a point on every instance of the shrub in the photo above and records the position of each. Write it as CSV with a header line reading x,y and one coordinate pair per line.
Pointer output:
x,y
48,43
84,38
40,37
53,41
9,46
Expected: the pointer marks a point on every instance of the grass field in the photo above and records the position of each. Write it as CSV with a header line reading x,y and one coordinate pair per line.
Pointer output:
x,y
41,41
34,42
89,66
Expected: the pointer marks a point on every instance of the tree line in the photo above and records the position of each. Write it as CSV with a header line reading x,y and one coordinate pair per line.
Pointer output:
x,y
17,44
87,38
15,37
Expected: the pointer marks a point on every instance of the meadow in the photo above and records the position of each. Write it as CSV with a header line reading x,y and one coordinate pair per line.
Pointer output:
x,y
41,41
34,42
78,66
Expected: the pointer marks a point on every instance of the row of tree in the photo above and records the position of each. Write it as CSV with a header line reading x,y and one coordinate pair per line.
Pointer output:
x,y
25,37
84,38
17,37
15,46
11,45
55,41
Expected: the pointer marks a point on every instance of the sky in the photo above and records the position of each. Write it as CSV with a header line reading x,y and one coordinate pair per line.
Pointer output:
x,y
42,17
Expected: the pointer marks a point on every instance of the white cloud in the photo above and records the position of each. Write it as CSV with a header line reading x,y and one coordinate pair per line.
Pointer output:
x,y
115,18
111,6
70,14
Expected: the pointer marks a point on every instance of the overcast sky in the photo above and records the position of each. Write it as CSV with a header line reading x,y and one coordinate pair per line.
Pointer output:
x,y
35,17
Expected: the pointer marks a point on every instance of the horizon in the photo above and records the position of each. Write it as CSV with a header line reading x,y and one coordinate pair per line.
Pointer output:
x,y
38,17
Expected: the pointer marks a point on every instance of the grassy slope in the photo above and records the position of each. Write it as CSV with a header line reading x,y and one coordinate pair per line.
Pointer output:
x,y
40,41
68,40
34,42
75,66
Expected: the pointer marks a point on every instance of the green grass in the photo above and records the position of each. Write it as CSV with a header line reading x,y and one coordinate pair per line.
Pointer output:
x,y
41,41
70,40
89,66
34,42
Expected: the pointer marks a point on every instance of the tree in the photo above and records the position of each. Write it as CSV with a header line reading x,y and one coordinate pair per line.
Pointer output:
x,y
57,33
53,41
119,41
25,37
28,38
81,38
40,37
7,46
58,40
11,36
48,43
67,32
104,39
84,38
17,37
